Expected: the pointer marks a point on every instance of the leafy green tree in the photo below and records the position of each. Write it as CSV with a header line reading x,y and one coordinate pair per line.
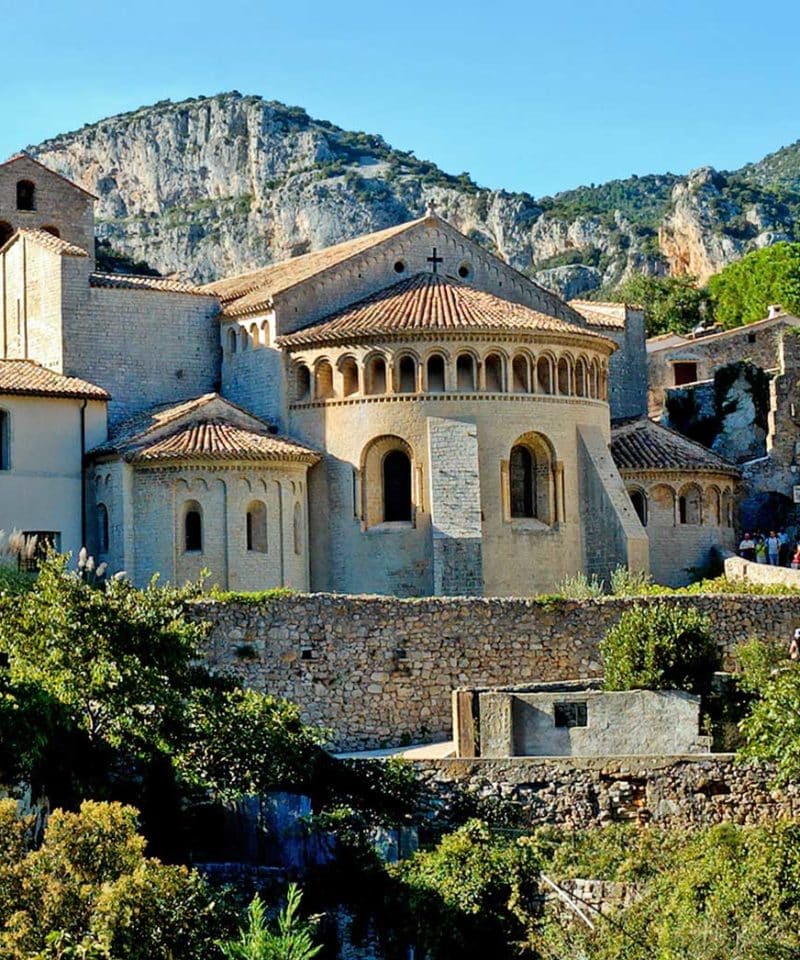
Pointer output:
x,y
237,742
660,647
772,729
88,892
670,304
119,657
471,896
744,290
293,939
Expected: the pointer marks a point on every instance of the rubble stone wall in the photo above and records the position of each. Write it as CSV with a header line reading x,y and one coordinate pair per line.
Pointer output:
x,y
380,671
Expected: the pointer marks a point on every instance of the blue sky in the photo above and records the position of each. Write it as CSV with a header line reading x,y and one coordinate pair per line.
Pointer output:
x,y
523,95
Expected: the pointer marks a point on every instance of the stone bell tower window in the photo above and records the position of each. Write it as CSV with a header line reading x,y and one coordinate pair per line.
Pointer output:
x,y
6,232
26,195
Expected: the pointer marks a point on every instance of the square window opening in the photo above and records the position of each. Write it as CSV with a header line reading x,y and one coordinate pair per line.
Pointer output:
x,y
570,714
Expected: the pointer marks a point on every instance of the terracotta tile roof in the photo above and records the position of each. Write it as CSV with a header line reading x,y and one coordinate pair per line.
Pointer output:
x,y
123,281
44,239
253,291
218,440
204,427
423,302
27,378
644,445
22,155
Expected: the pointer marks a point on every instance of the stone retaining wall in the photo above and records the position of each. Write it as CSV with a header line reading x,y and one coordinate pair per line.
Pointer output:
x,y
579,793
379,671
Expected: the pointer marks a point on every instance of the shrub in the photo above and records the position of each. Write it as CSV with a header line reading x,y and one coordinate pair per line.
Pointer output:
x,y
631,583
660,647
580,587
293,940
88,891
772,730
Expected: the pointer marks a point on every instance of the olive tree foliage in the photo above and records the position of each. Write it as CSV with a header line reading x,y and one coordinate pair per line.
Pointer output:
x,y
660,647
89,892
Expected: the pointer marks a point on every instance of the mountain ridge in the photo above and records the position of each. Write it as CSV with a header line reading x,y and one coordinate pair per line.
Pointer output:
x,y
218,185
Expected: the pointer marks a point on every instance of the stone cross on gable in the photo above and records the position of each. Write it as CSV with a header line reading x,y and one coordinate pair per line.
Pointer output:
x,y
434,261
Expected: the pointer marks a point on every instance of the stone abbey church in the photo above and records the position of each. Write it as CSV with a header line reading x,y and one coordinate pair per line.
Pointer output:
x,y
402,413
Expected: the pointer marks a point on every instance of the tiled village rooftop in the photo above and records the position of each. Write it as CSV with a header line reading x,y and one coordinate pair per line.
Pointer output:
x,y
428,302
644,445
27,378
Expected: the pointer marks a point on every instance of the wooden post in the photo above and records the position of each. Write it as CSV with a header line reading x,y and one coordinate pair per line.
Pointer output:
x,y
463,723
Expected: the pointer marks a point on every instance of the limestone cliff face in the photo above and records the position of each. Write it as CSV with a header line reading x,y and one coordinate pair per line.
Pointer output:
x,y
216,186
707,229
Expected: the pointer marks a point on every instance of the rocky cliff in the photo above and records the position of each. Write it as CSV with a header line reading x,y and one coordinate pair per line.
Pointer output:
x,y
219,185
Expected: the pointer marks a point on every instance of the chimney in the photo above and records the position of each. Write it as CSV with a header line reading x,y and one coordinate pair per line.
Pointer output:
x,y
774,310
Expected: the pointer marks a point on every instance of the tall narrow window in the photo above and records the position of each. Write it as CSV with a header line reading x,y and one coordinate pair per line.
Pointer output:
x,y
324,380
639,501
465,372
520,375
376,376
564,377
349,370
396,487
5,441
6,232
232,340
494,373
26,195
522,477
256,523
302,382
102,528
407,371
436,382
193,528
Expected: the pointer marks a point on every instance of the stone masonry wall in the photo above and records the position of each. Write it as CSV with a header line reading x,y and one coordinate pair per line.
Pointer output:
x,y
380,670
676,792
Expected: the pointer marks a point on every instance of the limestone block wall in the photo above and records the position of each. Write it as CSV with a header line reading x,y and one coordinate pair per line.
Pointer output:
x,y
688,515
672,792
627,367
381,670
612,533
144,347
455,507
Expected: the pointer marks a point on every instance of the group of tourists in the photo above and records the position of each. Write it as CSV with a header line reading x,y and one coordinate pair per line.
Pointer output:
x,y
774,548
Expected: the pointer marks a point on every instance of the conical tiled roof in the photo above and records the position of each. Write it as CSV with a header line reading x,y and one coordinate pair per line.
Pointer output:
x,y
427,302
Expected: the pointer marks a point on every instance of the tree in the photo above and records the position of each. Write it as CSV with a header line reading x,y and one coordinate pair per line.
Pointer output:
x,y
744,290
293,940
118,657
670,304
772,730
89,891
660,647
238,742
